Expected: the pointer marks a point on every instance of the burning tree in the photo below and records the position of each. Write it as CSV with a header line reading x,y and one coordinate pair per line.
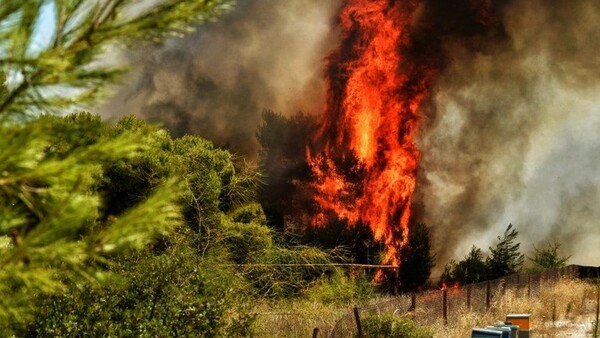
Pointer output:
x,y
365,156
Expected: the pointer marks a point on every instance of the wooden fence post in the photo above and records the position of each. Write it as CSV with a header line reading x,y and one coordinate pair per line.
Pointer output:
x,y
445,306
358,325
413,302
315,332
469,296
488,294
597,321
528,286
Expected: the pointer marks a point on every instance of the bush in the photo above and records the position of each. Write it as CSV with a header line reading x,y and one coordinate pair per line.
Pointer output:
x,y
338,288
393,326
174,294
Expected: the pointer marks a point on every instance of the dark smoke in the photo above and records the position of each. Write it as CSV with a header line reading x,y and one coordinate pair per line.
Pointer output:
x,y
509,135
216,82
513,137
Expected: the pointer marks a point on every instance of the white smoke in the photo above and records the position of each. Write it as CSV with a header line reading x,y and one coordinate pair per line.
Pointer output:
x,y
515,138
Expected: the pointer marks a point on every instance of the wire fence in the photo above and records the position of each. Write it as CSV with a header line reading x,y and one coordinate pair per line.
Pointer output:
x,y
444,304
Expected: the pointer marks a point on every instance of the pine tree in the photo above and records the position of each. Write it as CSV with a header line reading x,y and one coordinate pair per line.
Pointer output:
x,y
52,49
416,259
471,269
505,256
548,257
53,233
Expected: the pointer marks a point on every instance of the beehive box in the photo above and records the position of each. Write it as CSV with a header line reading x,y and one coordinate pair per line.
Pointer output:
x,y
506,331
523,321
485,333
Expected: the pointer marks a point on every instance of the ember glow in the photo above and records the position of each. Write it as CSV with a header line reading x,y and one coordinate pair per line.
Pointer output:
x,y
366,169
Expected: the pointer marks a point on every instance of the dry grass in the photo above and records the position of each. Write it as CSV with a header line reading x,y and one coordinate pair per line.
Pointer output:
x,y
561,310
568,301
297,318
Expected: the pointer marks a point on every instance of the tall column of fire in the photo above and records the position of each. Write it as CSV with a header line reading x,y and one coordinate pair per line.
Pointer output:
x,y
365,168
391,53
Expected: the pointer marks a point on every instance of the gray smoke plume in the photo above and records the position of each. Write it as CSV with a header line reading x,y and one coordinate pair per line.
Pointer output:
x,y
515,136
512,137
216,82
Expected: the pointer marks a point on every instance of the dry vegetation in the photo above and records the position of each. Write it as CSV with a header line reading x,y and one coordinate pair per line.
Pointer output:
x,y
557,310
297,319
566,309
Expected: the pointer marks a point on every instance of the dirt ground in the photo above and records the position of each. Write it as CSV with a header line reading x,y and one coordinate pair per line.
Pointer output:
x,y
574,328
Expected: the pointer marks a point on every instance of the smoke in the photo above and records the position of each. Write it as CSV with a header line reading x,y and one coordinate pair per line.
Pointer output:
x,y
509,134
512,135
216,82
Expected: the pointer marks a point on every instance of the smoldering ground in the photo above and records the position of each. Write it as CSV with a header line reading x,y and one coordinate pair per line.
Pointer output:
x,y
510,134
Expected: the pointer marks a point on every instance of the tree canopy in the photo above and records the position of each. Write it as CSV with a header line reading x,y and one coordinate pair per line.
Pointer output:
x,y
547,257
505,257
471,269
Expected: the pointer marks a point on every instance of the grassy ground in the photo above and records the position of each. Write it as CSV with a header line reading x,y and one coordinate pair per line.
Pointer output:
x,y
567,306
566,309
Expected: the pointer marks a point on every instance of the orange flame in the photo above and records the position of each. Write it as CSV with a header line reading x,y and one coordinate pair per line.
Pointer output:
x,y
454,287
366,159
366,169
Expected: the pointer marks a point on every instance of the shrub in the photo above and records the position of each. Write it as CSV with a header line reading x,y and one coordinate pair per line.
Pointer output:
x,y
175,293
338,288
393,326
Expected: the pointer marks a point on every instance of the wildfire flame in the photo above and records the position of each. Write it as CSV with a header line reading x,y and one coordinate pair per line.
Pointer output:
x,y
366,170
366,158
454,287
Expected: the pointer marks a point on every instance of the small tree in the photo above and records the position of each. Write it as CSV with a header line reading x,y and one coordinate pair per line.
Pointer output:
x,y
416,259
471,269
548,257
447,276
505,256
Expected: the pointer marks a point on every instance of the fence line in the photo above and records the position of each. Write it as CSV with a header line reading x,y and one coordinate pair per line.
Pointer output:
x,y
304,265
477,297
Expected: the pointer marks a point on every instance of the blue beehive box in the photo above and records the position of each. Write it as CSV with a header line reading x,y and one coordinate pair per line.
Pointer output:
x,y
485,333
514,330
506,331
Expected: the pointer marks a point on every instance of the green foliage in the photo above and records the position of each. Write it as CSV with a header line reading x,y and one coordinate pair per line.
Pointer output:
x,y
387,325
50,212
505,257
64,70
245,234
114,189
471,269
280,271
126,182
71,230
547,258
175,293
335,287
